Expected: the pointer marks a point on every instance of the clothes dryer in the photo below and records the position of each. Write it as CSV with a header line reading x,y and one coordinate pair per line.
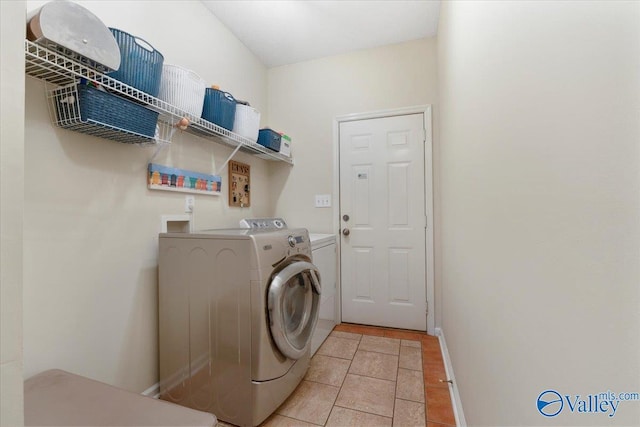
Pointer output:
x,y
323,250
237,309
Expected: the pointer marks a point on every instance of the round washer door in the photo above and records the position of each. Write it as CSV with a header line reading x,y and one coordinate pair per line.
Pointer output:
x,y
293,301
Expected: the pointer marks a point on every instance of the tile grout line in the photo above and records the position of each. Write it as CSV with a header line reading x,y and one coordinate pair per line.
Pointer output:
x,y
363,412
365,376
343,380
424,385
398,335
395,391
333,404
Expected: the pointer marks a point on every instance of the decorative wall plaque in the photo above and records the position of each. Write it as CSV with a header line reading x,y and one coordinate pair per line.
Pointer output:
x,y
167,178
239,185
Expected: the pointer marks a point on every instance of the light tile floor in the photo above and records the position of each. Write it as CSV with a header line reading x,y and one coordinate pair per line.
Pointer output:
x,y
369,376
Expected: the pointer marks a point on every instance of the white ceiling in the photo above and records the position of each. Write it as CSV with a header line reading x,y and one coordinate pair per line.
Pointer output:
x,y
289,31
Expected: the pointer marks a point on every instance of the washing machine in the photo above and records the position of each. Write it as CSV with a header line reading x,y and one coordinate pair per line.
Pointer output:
x,y
323,253
237,309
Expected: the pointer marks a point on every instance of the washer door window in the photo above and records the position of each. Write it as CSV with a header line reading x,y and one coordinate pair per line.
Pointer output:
x,y
293,300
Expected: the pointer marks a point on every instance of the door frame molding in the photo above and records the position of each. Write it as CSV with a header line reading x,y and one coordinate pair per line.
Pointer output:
x,y
426,111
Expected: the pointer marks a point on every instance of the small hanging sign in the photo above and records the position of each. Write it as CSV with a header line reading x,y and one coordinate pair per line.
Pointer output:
x,y
239,184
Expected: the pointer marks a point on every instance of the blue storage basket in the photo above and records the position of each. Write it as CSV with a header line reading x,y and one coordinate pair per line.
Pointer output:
x,y
219,108
269,139
140,63
103,108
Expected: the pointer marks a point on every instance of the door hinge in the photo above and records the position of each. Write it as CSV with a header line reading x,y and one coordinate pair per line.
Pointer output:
x,y
426,310
426,221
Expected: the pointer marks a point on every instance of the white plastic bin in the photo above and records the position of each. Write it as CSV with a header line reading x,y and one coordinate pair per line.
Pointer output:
x,y
182,88
247,122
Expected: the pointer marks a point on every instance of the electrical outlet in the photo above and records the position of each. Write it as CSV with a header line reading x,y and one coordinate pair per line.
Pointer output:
x,y
323,200
189,203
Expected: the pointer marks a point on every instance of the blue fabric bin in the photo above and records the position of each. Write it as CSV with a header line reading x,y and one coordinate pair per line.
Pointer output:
x,y
219,108
269,139
103,108
140,63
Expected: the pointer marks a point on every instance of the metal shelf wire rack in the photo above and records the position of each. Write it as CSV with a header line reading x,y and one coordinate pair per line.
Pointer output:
x,y
70,110
53,67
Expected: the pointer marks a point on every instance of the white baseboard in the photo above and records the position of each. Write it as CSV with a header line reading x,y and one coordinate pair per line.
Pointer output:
x,y
453,386
153,391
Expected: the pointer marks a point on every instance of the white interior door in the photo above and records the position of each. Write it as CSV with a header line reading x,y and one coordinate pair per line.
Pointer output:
x,y
383,221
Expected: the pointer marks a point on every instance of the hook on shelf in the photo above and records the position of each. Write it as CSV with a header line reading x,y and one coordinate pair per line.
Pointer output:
x,y
165,135
181,124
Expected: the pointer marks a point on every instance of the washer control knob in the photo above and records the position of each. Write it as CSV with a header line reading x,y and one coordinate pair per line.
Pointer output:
x,y
292,241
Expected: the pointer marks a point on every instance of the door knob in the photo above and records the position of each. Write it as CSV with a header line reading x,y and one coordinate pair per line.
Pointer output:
x,y
345,231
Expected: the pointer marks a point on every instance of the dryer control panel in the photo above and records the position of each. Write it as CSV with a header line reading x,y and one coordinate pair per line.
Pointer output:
x,y
276,245
263,223
298,242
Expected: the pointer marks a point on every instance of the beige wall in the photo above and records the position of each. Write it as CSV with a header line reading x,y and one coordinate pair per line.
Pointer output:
x,y
304,99
11,210
540,188
90,223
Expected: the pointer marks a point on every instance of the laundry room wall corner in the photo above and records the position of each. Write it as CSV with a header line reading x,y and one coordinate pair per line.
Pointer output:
x,y
12,15
91,225
305,98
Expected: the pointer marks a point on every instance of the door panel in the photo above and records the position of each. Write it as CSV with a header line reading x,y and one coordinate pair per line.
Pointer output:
x,y
399,274
362,273
397,201
382,190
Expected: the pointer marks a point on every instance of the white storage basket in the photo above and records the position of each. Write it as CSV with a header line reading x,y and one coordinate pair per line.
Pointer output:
x,y
247,122
182,88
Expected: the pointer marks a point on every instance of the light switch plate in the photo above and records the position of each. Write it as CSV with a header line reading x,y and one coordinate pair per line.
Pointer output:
x,y
323,200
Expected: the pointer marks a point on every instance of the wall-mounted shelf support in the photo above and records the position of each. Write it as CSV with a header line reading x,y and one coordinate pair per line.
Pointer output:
x,y
156,152
226,162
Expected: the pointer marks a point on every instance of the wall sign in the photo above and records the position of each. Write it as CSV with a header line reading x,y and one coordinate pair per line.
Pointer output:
x,y
166,178
239,185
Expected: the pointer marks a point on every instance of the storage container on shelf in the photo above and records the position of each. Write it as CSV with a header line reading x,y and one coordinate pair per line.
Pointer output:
x,y
182,88
285,145
140,63
270,139
85,108
247,121
219,108
74,32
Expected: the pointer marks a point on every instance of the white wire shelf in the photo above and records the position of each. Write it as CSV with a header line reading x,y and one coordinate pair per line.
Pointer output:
x,y
204,128
53,67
